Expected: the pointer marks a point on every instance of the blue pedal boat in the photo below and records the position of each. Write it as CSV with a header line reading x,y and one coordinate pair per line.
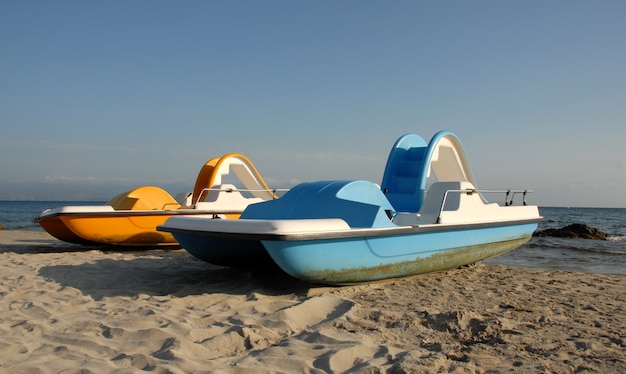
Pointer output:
x,y
426,216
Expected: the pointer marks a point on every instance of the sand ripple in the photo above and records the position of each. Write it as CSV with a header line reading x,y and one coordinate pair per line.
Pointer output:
x,y
66,309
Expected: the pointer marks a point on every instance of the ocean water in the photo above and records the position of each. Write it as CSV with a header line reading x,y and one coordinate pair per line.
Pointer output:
x,y
592,256
19,215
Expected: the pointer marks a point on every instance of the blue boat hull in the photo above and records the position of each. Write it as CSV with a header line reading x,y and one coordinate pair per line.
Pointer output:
x,y
225,251
354,260
345,232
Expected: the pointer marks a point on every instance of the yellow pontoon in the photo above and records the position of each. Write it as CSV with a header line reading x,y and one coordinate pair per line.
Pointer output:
x,y
131,218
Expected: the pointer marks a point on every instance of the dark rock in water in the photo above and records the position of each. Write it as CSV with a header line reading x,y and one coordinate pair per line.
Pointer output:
x,y
575,231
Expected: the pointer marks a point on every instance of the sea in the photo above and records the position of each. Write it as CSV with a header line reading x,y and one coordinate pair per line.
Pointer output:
x,y
591,256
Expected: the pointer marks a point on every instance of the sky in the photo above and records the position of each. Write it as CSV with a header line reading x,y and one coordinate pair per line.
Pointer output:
x,y
100,97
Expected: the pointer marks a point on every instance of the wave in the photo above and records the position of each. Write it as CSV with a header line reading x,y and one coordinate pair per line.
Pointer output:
x,y
21,226
615,245
616,238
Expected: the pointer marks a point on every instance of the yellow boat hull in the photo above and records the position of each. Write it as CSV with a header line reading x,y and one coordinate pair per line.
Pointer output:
x,y
123,230
131,218
126,228
57,228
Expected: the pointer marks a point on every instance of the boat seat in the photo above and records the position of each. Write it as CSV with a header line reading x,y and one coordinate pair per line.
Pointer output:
x,y
144,198
402,179
432,204
226,197
184,199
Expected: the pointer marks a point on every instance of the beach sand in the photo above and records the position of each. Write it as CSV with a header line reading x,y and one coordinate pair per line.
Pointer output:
x,y
71,309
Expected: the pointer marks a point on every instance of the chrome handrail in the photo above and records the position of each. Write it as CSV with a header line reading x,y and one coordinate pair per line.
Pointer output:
x,y
471,191
175,205
230,190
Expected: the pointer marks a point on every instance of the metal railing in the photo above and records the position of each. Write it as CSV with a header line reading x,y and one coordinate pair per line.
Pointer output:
x,y
471,191
231,190
508,199
173,206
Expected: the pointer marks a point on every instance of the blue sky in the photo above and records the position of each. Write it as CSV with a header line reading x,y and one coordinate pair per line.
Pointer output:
x,y
100,97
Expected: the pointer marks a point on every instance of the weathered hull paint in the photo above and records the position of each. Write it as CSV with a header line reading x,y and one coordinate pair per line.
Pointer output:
x,y
450,259
355,260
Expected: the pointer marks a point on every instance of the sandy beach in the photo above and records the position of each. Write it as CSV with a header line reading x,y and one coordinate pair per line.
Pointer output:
x,y
71,309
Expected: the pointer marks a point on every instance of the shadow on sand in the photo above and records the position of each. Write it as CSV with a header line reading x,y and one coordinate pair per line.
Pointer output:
x,y
174,273
34,246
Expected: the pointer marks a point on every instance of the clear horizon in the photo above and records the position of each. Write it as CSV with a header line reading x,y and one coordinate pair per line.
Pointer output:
x,y
98,98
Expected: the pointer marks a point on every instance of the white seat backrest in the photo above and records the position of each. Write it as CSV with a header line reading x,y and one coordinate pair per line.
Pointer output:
x,y
436,193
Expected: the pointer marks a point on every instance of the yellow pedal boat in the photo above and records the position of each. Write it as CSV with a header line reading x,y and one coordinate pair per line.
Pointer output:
x,y
131,218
